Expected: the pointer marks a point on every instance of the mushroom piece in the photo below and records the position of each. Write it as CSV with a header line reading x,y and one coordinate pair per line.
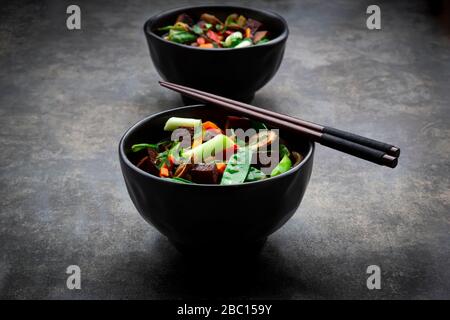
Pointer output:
x,y
262,139
234,122
297,157
183,171
142,162
259,35
253,25
185,18
209,18
152,158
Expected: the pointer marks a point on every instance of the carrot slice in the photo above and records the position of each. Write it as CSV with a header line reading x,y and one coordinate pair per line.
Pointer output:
x,y
164,171
171,159
209,125
206,45
221,167
248,33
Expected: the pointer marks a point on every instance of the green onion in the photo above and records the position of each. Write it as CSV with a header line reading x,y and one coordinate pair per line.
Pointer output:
x,y
233,39
244,43
209,148
175,122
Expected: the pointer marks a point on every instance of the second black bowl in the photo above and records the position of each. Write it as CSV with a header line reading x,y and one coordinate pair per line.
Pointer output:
x,y
234,73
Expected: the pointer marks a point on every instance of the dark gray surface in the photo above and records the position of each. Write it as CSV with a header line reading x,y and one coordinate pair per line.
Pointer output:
x,y
67,97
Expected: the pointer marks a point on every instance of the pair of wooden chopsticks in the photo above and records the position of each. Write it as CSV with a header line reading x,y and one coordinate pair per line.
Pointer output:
x,y
368,149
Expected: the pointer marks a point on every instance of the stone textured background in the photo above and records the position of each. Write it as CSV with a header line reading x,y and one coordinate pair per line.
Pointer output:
x,y
67,97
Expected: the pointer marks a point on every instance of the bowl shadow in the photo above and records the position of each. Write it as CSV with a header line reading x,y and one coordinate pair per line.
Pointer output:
x,y
165,273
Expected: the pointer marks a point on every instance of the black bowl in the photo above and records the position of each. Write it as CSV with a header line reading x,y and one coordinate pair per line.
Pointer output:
x,y
212,217
234,73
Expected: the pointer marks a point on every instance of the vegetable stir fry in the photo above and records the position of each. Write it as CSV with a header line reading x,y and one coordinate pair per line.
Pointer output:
x,y
236,31
201,152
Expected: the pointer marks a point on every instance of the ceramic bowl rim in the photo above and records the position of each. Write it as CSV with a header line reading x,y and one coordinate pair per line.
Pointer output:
x,y
138,124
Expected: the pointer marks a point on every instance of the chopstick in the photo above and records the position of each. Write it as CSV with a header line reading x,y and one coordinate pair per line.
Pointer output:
x,y
387,148
361,147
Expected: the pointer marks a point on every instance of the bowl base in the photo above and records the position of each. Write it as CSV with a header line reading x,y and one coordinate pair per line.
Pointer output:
x,y
246,99
219,251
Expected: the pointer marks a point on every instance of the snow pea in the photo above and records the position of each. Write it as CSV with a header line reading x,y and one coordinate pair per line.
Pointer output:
x,y
284,151
258,125
254,175
284,165
262,41
181,36
237,167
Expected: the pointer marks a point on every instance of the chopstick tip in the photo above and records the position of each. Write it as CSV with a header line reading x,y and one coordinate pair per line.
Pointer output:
x,y
390,161
395,151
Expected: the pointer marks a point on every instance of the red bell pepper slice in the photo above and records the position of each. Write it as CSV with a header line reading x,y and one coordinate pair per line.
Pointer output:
x,y
213,36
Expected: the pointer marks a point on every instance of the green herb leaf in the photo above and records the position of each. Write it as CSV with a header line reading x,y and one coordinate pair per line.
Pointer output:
x,y
175,151
196,29
166,28
181,180
140,146
162,158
